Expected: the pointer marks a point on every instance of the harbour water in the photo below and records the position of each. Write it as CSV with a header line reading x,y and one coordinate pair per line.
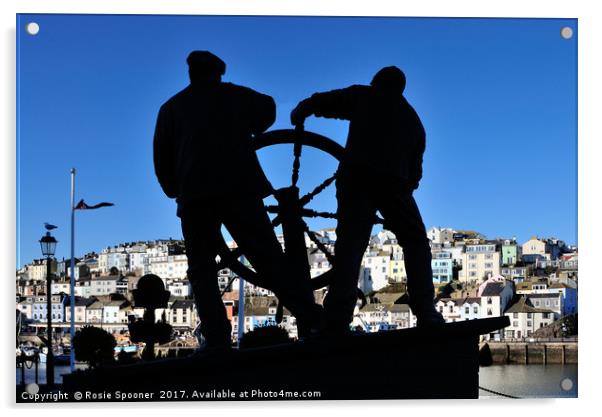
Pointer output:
x,y
522,381
529,381
58,373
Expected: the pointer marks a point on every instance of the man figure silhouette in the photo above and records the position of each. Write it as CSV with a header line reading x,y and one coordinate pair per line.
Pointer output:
x,y
380,169
204,159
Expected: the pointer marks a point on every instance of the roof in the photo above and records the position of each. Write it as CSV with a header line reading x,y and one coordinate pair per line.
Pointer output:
x,y
388,297
254,310
524,285
545,295
452,300
107,278
81,301
492,289
394,308
472,300
523,306
96,305
116,303
182,304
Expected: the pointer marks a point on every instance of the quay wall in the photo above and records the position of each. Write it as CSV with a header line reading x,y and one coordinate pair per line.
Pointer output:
x,y
533,353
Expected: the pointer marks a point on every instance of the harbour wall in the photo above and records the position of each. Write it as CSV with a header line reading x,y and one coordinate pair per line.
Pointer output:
x,y
531,352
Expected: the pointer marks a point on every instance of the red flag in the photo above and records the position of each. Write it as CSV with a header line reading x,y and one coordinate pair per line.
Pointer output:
x,y
83,206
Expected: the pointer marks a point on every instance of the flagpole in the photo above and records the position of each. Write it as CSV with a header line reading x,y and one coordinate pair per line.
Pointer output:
x,y
72,273
241,307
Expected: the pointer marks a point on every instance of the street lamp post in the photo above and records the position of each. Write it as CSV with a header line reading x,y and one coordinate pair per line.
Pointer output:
x,y
48,245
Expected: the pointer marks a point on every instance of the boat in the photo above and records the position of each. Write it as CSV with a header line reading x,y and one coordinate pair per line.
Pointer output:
x,y
61,355
126,348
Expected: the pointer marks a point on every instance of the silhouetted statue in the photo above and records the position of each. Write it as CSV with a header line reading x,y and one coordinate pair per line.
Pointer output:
x,y
150,294
204,159
380,169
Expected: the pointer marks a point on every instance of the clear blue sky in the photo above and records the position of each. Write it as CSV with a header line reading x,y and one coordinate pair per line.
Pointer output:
x,y
497,98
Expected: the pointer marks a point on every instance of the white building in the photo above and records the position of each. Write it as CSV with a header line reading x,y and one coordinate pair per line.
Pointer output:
x,y
169,267
180,288
470,308
104,285
81,305
376,317
376,268
39,308
449,309
440,234
526,319
479,262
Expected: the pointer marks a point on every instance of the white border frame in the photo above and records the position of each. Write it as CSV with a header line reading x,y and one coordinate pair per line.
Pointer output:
x,y
589,36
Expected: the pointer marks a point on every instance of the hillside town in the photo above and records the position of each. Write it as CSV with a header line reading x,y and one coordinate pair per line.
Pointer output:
x,y
534,283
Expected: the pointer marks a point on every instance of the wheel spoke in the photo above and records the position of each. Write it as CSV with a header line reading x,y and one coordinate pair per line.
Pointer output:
x,y
309,196
297,153
313,213
277,221
229,286
272,209
320,245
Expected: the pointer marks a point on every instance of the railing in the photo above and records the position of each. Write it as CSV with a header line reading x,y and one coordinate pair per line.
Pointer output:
x,y
536,340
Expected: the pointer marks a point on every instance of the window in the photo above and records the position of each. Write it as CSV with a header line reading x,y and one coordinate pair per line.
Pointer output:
x,y
529,315
489,313
475,310
515,323
466,310
489,300
529,323
515,315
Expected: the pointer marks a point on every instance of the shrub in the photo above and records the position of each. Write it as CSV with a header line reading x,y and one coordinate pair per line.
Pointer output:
x,y
94,346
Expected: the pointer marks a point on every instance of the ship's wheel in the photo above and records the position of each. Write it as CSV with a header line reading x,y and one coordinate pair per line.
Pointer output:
x,y
292,210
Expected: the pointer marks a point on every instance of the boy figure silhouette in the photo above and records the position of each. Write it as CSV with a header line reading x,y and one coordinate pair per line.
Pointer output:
x,y
203,158
380,169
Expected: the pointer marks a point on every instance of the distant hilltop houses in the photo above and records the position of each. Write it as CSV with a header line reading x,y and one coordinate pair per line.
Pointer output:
x,y
534,283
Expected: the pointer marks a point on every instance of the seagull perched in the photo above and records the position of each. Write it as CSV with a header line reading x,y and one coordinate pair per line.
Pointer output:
x,y
49,226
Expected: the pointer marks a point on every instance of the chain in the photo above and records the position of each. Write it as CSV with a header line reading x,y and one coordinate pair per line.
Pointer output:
x,y
498,393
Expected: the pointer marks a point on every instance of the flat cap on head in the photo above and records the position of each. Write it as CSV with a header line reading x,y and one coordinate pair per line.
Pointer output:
x,y
206,62
390,78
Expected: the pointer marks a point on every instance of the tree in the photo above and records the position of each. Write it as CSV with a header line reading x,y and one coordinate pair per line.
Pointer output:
x,y
94,345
